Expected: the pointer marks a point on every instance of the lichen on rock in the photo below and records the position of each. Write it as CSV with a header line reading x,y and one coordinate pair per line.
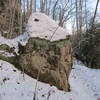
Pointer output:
x,y
52,60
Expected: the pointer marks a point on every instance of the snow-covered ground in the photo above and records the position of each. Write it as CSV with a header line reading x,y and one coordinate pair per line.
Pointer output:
x,y
85,85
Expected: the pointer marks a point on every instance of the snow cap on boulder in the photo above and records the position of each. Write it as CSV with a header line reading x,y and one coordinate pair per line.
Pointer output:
x,y
40,25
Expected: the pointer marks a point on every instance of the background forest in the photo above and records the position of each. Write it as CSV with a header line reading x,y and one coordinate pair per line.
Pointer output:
x,y
85,23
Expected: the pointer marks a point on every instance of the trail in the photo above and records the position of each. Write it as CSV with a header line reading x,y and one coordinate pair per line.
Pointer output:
x,y
86,81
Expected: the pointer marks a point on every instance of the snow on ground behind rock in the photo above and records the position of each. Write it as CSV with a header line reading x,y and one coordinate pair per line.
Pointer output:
x,y
23,38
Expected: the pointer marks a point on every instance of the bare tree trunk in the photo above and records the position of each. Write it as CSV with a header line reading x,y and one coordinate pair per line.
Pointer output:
x,y
77,16
24,16
49,7
62,12
86,14
80,16
46,7
27,9
12,20
31,7
42,6
54,9
34,3
21,22
11,12
95,13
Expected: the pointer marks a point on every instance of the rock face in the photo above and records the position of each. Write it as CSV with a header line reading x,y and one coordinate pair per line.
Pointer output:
x,y
45,56
50,62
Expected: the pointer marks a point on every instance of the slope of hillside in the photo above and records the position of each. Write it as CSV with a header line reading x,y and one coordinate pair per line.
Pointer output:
x,y
85,82
85,85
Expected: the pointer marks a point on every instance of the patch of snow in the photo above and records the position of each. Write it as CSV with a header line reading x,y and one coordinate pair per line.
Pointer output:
x,y
85,85
4,53
40,25
14,42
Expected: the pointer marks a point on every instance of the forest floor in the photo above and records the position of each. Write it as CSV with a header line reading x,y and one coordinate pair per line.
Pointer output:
x,y
85,85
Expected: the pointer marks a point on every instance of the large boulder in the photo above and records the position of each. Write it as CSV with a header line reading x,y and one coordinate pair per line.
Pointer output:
x,y
50,62
46,55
